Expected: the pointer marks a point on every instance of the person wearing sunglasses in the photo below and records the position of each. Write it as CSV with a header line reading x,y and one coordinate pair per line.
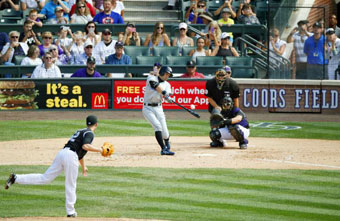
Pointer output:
x,y
82,14
131,36
89,6
47,41
11,49
48,69
191,71
158,37
225,48
183,40
106,47
91,33
108,16
195,10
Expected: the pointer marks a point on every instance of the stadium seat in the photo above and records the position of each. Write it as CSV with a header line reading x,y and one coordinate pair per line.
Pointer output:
x,y
207,60
177,60
149,60
244,62
10,13
186,50
9,21
165,51
134,51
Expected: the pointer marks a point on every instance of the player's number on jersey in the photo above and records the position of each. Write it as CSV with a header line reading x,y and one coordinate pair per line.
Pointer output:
x,y
74,136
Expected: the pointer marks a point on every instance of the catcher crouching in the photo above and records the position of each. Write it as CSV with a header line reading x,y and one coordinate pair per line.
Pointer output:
x,y
229,124
67,160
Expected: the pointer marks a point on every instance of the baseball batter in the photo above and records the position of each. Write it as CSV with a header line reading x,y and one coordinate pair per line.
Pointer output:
x,y
156,88
67,161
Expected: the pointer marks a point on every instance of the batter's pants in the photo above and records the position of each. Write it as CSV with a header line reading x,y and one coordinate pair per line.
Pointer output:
x,y
67,161
156,117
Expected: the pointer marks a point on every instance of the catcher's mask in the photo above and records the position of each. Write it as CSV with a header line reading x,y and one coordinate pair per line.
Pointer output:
x,y
227,103
164,70
221,76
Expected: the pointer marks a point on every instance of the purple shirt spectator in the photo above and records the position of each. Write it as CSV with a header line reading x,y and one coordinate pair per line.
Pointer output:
x,y
82,73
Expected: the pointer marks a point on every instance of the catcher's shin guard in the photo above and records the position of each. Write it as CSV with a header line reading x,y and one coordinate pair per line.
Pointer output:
x,y
236,132
215,136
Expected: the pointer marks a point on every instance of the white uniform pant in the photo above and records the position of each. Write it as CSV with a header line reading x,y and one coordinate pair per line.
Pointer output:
x,y
67,161
225,133
156,117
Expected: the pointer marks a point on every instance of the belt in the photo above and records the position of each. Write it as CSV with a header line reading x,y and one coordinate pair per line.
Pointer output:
x,y
69,149
152,104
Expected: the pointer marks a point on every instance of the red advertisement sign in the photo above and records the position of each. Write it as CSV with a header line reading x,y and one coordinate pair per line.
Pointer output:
x,y
130,94
100,101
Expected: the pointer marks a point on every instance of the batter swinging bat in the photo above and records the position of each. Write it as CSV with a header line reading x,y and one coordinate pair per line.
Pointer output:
x,y
190,111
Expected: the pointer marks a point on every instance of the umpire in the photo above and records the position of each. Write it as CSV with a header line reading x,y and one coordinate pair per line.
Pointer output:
x,y
219,87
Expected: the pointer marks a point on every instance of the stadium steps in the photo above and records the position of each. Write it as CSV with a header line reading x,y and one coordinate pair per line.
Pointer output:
x,y
149,12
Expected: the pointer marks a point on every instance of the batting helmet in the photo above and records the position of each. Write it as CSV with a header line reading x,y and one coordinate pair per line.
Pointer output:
x,y
164,70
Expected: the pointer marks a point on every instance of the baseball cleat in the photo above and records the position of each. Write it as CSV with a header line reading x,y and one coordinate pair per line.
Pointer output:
x,y
243,146
72,215
10,180
216,144
166,151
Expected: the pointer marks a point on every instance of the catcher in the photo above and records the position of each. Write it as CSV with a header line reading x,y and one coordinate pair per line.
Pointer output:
x,y
229,124
67,161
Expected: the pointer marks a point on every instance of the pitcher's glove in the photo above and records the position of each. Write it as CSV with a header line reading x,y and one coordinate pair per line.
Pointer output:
x,y
107,149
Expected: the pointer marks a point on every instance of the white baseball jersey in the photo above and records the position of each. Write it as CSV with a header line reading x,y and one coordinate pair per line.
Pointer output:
x,y
102,51
151,95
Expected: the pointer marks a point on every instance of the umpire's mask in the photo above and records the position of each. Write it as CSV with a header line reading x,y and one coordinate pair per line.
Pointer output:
x,y
221,76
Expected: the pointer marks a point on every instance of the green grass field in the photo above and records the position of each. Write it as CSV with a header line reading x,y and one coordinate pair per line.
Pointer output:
x,y
176,194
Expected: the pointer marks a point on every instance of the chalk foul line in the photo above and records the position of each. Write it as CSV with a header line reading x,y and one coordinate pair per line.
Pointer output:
x,y
300,163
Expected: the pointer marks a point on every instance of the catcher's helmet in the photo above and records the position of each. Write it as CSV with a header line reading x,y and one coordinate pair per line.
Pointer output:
x,y
227,103
165,69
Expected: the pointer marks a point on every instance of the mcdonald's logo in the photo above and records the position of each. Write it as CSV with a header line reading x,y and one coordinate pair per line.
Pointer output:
x,y
100,101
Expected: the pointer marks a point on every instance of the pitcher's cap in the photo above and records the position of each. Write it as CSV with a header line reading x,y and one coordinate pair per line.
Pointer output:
x,y
91,120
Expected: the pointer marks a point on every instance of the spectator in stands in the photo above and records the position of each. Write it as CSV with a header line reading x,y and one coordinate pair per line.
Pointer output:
x,y
31,59
332,53
225,48
33,17
248,17
183,40
314,49
63,40
333,24
206,19
118,7
199,51
158,37
7,4
82,58
106,47
82,14
89,71
28,36
91,33
48,10
59,19
108,16
227,70
48,69
46,43
89,8
299,35
214,35
191,71
226,6
118,57
170,5
98,5
32,4
156,68
13,48
194,10
77,46
3,39
277,46
59,59
242,3
226,20
131,36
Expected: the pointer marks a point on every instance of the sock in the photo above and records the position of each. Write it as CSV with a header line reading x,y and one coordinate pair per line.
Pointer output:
x,y
167,143
159,138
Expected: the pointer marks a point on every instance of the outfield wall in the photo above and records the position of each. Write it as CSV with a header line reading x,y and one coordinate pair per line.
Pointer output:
x,y
256,95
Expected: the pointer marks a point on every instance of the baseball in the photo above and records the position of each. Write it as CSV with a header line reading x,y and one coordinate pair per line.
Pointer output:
x,y
192,107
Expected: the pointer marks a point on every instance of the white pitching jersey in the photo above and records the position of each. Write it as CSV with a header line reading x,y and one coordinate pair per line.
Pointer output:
x,y
151,95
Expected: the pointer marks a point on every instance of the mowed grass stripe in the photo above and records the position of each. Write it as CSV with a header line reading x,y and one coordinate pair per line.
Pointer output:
x,y
179,194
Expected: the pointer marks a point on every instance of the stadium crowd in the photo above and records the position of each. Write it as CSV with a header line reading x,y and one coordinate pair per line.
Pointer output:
x,y
66,47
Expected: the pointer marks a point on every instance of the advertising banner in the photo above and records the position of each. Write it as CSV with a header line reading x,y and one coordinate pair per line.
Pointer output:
x,y
130,94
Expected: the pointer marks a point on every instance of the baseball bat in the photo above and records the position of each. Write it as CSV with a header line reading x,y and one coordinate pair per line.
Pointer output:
x,y
189,110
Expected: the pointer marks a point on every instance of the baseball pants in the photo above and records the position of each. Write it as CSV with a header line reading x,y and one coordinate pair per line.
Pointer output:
x,y
156,117
225,134
67,161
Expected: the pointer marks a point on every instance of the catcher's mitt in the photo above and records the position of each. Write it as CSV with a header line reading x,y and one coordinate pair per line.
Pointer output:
x,y
107,149
216,120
